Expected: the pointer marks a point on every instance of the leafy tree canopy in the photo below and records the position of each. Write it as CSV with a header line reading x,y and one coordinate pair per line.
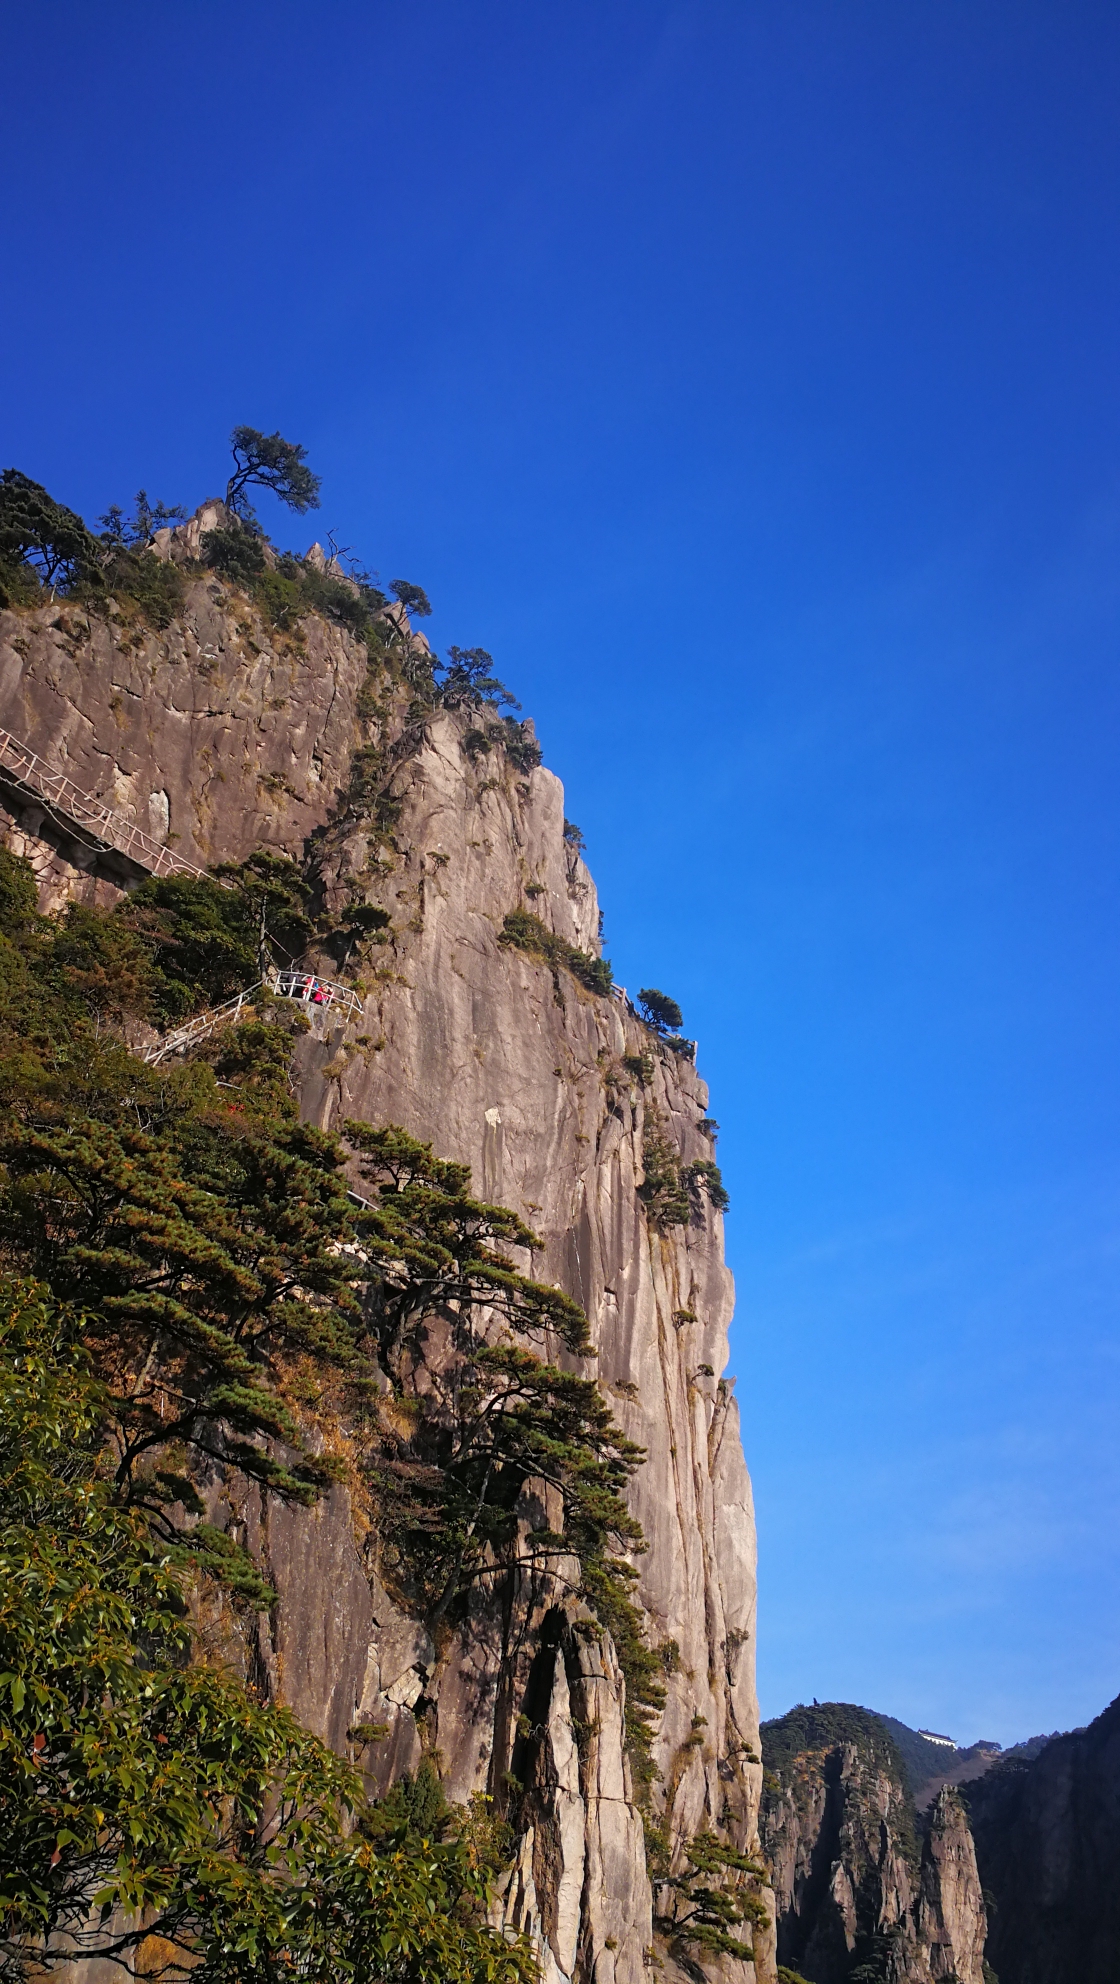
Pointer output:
x,y
216,1248
493,1416
152,1812
129,533
413,598
468,678
206,941
267,461
711,1898
39,533
44,543
659,1011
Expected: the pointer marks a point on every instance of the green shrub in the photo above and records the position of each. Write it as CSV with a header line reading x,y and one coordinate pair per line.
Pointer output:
x,y
235,553
662,1190
518,740
670,1190
640,1066
288,589
525,932
156,586
659,1011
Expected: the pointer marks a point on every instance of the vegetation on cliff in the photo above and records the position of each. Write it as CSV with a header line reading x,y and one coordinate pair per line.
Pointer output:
x,y
152,1810
182,1257
45,547
234,1297
523,931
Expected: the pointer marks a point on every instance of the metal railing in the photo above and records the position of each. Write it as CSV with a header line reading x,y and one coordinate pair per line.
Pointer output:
x,y
202,1026
321,994
100,823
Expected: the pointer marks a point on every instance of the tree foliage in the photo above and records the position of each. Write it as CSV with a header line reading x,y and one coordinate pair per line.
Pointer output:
x,y
523,931
151,1811
413,598
135,532
204,1231
658,1011
467,679
207,941
42,543
215,1246
267,461
42,536
711,1897
673,1192
493,1414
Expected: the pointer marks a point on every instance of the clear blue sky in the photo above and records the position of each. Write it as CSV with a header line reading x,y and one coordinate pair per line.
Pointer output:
x,y
744,376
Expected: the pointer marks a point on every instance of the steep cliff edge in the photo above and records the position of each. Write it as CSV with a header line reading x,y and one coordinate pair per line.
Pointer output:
x,y
217,734
1047,1835
858,1894
221,734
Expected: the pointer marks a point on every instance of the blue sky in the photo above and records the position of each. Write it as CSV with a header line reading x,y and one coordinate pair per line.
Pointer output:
x,y
743,376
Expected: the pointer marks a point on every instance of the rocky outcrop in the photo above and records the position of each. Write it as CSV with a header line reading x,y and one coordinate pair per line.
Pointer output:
x,y
231,736
858,1895
1047,1835
215,735
950,1921
512,1065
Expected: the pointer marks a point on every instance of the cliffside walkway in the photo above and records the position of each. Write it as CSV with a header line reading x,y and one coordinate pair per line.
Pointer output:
x,y
319,993
79,812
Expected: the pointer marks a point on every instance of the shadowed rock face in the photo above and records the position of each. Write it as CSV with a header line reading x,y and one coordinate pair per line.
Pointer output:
x,y
1048,1844
518,1070
857,1895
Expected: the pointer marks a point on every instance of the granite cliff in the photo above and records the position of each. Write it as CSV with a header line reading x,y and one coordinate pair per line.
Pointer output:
x,y
1047,1832
860,1893
222,733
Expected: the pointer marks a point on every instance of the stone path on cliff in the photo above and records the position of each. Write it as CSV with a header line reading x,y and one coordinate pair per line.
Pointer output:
x,y
82,814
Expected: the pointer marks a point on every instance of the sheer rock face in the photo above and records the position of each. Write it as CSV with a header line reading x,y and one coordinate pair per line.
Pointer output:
x,y
515,1068
215,736
500,1061
1048,1843
849,1888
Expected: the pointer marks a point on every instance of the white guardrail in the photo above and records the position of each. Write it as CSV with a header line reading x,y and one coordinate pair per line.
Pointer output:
x,y
99,822
59,795
320,994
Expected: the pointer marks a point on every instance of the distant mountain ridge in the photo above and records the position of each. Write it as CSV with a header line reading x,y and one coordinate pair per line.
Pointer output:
x,y
863,1895
896,1859
1046,1823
